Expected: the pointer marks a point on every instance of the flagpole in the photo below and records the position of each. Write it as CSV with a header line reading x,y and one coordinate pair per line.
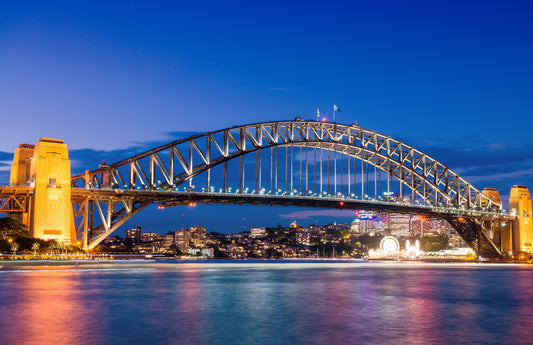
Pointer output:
x,y
335,108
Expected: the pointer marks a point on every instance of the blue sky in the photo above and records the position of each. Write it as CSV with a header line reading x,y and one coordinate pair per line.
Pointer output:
x,y
452,78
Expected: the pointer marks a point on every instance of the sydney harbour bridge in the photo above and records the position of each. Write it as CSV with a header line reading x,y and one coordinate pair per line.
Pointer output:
x,y
288,163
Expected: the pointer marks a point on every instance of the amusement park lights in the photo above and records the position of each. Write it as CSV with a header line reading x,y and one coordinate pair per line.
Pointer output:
x,y
389,245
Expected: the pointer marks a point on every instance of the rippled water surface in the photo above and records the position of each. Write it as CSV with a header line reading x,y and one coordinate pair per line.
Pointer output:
x,y
268,303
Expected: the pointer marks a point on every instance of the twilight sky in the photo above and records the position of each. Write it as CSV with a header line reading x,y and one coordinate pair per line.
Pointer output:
x,y
113,78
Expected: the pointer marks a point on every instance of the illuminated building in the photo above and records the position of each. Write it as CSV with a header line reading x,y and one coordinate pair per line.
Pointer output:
x,y
354,227
198,236
165,241
148,237
364,222
182,239
257,232
134,234
399,225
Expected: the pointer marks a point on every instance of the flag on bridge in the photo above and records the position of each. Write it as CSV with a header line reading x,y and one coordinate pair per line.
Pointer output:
x,y
336,108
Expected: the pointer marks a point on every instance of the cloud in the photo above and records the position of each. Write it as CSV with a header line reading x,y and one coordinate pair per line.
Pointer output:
x,y
483,162
88,158
473,151
306,214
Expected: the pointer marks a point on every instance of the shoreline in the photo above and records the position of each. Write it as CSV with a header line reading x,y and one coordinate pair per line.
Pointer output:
x,y
7,264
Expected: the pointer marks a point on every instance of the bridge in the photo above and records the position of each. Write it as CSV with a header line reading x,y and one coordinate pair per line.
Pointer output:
x,y
288,163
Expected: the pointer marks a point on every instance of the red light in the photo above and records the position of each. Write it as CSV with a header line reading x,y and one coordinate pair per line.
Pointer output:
x,y
341,203
323,119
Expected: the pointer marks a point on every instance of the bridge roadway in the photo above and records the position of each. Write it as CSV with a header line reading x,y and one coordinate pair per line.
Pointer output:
x,y
182,198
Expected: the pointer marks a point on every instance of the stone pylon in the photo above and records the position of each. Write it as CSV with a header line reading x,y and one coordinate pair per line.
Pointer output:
x,y
520,205
46,167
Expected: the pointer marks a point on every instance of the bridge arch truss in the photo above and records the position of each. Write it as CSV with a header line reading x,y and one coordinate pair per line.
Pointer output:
x,y
293,158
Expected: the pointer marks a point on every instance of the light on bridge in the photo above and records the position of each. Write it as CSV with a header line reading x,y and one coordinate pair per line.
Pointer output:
x,y
341,203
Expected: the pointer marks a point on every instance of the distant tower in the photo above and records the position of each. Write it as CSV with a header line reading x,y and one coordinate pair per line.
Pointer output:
x,y
492,194
20,174
51,216
506,236
520,205
21,166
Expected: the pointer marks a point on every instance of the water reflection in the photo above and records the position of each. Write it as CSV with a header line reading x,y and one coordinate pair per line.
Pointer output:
x,y
521,320
43,308
269,304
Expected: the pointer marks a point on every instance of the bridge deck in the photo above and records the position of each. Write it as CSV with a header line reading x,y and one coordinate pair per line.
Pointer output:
x,y
180,198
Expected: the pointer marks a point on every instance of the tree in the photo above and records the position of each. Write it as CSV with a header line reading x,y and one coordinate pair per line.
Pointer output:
x,y
35,246
14,247
128,243
25,243
175,250
219,254
12,227
434,243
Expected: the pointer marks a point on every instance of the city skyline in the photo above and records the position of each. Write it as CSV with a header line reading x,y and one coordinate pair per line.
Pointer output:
x,y
112,80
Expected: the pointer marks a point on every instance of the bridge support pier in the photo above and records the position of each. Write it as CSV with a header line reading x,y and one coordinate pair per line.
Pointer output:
x,y
46,167
520,205
486,238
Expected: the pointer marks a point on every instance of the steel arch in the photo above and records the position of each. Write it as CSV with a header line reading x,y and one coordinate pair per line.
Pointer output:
x,y
411,167
173,164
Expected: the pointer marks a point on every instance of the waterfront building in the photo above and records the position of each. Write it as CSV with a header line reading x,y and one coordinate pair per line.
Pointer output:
x,y
303,237
165,241
258,232
198,236
134,234
399,225
149,237
355,226
182,239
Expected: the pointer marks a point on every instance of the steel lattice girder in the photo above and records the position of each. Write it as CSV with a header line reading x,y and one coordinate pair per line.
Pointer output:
x,y
171,165
411,167
15,199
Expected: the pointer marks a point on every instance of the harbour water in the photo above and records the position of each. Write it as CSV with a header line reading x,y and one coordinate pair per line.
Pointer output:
x,y
268,302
